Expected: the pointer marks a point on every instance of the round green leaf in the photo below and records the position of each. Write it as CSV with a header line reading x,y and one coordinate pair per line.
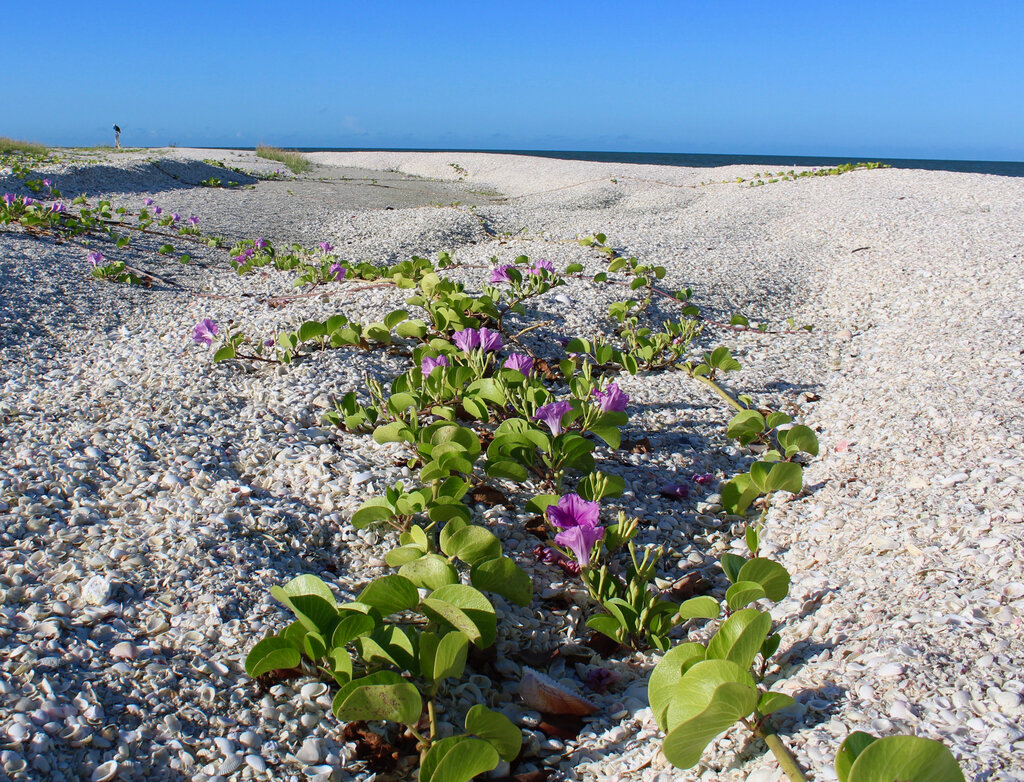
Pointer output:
x,y
769,574
701,607
772,702
667,673
271,654
449,660
380,696
390,594
473,544
907,759
495,728
743,592
430,571
458,759
740,637
463,608
503,577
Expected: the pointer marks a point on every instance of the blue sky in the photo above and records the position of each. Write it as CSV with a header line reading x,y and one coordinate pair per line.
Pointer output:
x,y
884,79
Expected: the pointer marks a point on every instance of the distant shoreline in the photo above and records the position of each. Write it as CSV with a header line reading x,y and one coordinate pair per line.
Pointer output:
x,y
699,160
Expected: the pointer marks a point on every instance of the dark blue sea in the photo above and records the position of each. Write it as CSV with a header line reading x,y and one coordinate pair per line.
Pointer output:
x,y
1001,168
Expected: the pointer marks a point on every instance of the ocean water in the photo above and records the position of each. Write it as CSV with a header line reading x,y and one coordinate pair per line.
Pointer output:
x,y
774,162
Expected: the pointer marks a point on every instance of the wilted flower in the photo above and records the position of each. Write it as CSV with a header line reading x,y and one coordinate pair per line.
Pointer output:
x,y
147,201
58,208
260,243
193,220
338,271
611,399
326,247
542,265
95,257
500,273
268,343
704,479
9,198
563,341
520,363
600,679
205,331
552,557
675,491
175,217
552,415
429,364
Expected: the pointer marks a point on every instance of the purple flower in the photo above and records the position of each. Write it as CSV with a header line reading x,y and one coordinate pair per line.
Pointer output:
x,y
95,257
326,247
239,258
9,198
704,479
520,363
338,271
675,491
204,332
28,201
260,243
248,253
268,343
563,341
157,210
542,265
193,220
600,679
490,340
611,400
500,273
48,184
430,363
58,208
552,557
147,201
467,339
580,540
175,217
572,511
552,415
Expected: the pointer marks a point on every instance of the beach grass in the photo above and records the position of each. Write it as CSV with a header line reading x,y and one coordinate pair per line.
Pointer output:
x,y
296,162
8,145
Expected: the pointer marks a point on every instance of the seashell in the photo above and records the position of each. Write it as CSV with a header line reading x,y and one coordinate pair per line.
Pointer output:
x,y
548,697
105,772
157,624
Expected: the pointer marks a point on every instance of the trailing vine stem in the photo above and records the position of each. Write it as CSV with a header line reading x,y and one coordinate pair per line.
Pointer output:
x,y
782,754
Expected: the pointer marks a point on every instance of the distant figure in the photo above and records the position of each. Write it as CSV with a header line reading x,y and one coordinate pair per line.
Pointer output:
x,y
117,137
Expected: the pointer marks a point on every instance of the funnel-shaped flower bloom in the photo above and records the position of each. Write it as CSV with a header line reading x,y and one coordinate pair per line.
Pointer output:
x,y
520,363
612,399
28,201
58,208
175,217
429,364
205,331
147,201
572,511
338,271
48,184
500,273
552,415
95,257
193,220
261,243
467,339
9,198
580,540
490,340
542,265
326,247
158,210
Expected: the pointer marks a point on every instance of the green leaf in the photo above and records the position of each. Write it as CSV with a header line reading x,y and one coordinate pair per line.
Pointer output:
x,y
740,637
458,759
390,594
851,747
701,719
311,329
574,268
388,644
743,592
473,544
732,564
225,353
450,657
412,329
463,608
399,556
799,439
770,575
702,607
395,432
666,675
606,624
496,728
271,654
312,602
779,476
738,493
777,419
352,625
380,696
395,317
745,426
430,571
907,759
770,645
540,503
610,434
506,469
503,577
774,701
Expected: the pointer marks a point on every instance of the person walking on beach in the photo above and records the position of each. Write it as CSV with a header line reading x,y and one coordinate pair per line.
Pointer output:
x,y
117,137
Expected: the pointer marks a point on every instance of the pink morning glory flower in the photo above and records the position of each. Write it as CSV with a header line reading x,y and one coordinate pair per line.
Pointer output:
x,y
48,184
175,217
580,540
28,201
542,265
490,340
500,273
260,243
520,363
430,363
147,201
338,271
9,198
58,208
326,247
572,511
268,343
552,415
193,220
612,399
95,257
467,339
157,210
205,331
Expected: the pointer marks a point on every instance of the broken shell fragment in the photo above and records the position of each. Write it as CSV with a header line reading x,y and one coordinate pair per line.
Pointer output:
x,y
542,693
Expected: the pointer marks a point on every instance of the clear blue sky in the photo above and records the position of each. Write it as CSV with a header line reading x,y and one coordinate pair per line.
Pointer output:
x,y
830,77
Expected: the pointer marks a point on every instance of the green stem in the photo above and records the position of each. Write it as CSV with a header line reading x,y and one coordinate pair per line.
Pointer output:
x,y
433,719
785,759
720,391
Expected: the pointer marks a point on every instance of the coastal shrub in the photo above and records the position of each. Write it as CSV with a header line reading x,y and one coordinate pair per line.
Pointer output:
x,y
9,145
297,163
